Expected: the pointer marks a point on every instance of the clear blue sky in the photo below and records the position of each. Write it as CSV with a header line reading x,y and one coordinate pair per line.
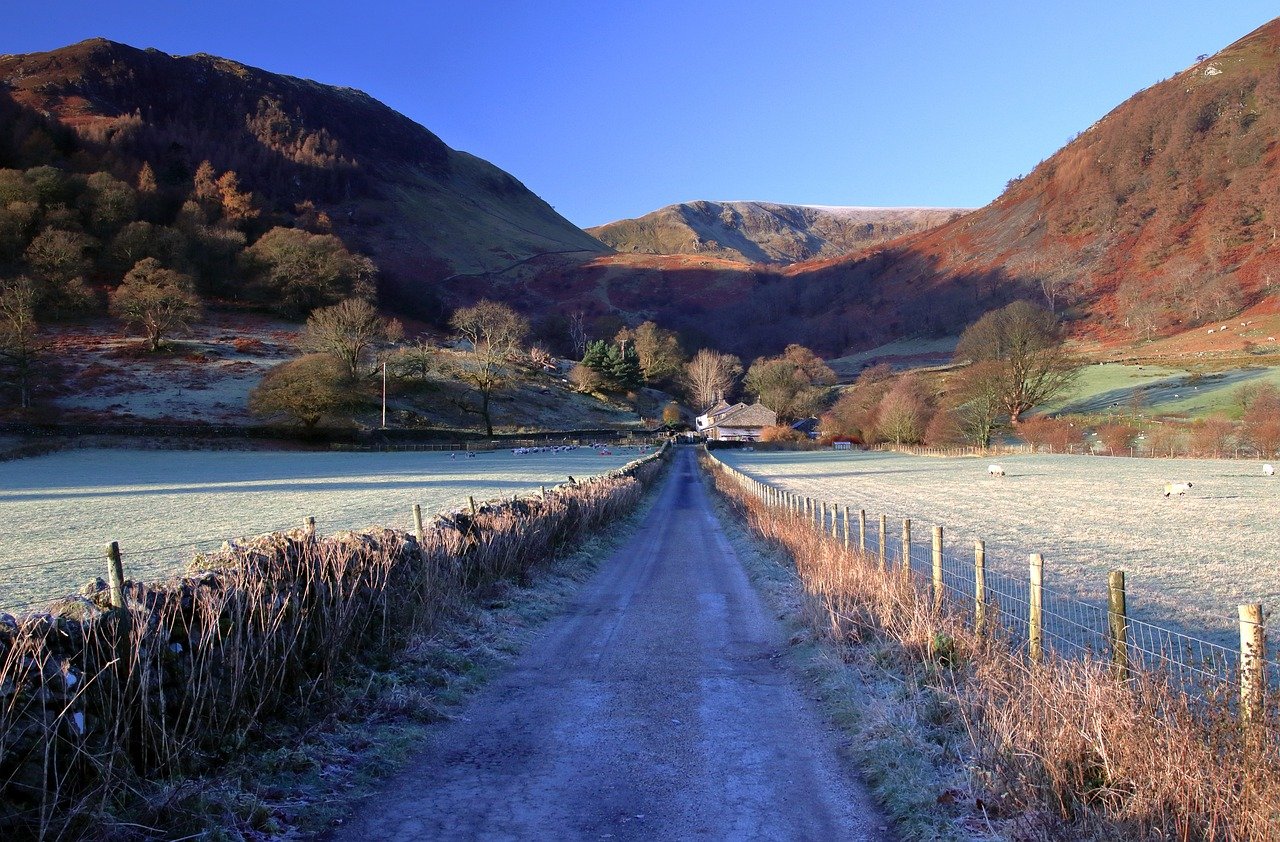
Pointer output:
x,y
610,109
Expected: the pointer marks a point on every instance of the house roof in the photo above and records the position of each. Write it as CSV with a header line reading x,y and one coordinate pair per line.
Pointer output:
x,y
720,408
805,425
742,415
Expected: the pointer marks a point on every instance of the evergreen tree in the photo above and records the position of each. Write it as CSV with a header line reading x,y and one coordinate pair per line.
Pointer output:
x,y
596,357
625,369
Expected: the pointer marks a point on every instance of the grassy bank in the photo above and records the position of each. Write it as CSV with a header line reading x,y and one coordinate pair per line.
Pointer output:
x,y
963,737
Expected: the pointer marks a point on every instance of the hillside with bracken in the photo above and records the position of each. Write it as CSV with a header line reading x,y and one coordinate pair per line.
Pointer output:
x,y
303,154
766,232
1159,217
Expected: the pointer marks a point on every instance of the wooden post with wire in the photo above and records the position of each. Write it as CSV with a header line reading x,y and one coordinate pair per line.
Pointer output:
x,y
905,556
979,587
1253,665
862,530
1035,611
1118,624
417,523
937,568
115,575
884,550
846,528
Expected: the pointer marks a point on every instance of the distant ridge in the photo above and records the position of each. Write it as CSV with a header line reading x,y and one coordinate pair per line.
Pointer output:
x,y
766,232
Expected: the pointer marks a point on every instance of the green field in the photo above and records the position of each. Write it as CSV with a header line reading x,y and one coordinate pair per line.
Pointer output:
x,y
1109,387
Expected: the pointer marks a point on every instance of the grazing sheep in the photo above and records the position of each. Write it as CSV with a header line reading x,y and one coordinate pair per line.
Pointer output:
x,y
1268,470
995,471
1179,488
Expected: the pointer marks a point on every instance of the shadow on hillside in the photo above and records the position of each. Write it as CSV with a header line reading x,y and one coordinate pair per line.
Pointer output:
x,y
1162,391
833,307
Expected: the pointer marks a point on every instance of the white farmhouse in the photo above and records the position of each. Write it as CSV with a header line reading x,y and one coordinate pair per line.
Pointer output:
x,y
739,422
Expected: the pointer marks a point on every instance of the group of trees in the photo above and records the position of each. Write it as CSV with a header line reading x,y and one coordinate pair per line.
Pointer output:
x,y
348,342
1012,359
151,254
644,355
1185,294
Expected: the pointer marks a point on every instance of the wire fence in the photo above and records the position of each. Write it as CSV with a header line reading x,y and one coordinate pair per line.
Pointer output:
x,y
1026,612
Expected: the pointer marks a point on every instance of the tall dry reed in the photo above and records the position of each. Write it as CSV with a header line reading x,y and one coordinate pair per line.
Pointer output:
x,y
1061,750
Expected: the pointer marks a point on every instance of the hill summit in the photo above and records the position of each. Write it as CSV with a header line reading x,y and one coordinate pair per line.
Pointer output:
x,y
766,232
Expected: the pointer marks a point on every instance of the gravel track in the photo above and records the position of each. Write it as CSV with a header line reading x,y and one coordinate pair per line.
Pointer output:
x,y
655,708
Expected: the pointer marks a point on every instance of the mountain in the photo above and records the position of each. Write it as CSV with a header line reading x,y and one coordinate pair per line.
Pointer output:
x,y
391,188
766,232
1160,216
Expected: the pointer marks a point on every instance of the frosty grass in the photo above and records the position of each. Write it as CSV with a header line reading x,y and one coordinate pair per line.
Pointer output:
x,y
60,510
1189,561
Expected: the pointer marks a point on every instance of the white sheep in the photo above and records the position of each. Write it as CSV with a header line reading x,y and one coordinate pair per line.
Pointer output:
x,y
995,471
1179,488
1268,470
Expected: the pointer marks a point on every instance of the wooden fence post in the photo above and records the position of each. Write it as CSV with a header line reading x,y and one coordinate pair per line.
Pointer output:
x,y
1117,613
862,529
979,587
474,510
821,519
884,551
309,526
905,560
835,517
846,528
1035,611
937,568
115,575
1253,666
417,523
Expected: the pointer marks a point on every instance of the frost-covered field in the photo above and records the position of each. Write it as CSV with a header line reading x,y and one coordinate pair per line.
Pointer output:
x,y
58,511
1189,560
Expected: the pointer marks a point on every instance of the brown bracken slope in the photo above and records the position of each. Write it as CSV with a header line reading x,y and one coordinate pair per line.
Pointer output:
x,y
394,190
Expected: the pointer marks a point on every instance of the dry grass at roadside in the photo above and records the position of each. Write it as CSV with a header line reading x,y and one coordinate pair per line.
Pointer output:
x,y
1055,751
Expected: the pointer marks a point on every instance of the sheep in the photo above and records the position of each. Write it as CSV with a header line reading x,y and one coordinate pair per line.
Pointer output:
x,y
995,471
1268,470
1179,488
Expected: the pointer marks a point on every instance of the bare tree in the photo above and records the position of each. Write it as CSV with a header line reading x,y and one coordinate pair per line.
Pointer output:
x,y
976,391
19,340
494,333
578,333
1027,343
347,330
158,300
709,375
659,349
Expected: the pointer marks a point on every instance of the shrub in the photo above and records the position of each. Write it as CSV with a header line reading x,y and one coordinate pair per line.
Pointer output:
x,y
781,433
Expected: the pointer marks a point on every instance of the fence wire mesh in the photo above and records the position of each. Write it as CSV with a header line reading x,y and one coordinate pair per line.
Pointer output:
x,y
1071,627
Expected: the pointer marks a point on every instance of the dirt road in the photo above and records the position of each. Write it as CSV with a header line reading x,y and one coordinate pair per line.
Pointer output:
x,y
655,708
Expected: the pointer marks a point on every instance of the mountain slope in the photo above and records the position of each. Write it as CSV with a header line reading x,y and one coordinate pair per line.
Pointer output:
x,y
1160,216
394,190
765,232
